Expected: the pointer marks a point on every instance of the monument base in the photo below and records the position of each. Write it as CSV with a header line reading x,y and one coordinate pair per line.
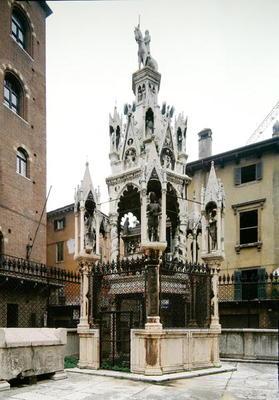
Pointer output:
x,y
155,352
89,347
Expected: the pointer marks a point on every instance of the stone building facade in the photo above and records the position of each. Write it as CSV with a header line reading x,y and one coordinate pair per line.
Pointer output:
x,y
250,176
23,129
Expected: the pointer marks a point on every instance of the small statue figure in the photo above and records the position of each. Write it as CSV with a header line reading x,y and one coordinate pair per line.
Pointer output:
x,y
212,229
147,40
179,139
88,237
130,157
126,226
149,127
153,213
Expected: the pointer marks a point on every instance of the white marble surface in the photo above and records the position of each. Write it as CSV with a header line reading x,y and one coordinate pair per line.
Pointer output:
x,y
248,382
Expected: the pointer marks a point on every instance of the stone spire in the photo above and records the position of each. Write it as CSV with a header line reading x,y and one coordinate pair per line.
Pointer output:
x,y
212,210
87,216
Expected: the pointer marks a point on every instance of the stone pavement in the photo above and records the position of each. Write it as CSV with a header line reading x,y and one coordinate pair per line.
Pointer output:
x,y
249,382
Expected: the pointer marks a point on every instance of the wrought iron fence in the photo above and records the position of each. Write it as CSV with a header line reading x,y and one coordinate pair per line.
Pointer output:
x,y
185,292
185,295
34,295
249,300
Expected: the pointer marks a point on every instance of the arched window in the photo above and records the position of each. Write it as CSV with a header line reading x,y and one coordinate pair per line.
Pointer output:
x,y
13,93
20,29
22,162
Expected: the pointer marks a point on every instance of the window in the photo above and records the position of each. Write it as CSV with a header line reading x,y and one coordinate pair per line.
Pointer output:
x,y
12,315
13,93
59,224
248,173
59,251
250,284
19,31
248,224
22,162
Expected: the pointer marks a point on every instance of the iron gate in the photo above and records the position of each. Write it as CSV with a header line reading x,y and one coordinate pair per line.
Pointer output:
x,y
115,329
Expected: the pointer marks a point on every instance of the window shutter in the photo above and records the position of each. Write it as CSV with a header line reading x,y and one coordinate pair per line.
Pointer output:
x,y
237,176
261,283
237,285
259,170
64,222
55,224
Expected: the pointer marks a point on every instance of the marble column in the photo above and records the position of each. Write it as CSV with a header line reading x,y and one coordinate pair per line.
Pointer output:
x,y
85,269
97,233
219,229
143,216
82,209
214,301
164,214
76,235
113,237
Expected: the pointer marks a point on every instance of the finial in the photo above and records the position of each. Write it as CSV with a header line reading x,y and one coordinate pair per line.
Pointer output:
x,y
139,21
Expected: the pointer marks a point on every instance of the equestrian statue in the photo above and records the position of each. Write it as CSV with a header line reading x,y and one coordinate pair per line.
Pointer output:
x,y
144,56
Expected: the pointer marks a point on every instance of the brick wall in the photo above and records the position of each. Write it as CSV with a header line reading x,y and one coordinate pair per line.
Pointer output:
x,y
22,199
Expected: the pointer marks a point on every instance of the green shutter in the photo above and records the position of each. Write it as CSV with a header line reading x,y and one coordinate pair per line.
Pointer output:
x,y
261,283
259,170
237,285
237,176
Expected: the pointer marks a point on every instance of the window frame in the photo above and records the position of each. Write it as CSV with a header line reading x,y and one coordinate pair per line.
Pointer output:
x,y
20,24
13,87
22,159
244,207
56,223
59,257
238,173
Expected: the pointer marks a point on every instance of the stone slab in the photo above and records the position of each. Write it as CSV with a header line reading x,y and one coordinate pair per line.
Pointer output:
x,y
154,378
24,337
252,361
4,386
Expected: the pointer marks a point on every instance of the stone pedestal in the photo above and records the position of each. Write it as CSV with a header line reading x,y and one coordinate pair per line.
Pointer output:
x,y
173,350
214,262
89,348
88,338
153,251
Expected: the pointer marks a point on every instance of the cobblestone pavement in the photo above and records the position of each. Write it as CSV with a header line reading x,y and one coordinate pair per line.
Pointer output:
x,y
249,382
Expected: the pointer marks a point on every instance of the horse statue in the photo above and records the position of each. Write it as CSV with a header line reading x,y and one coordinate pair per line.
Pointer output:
x,y
144,56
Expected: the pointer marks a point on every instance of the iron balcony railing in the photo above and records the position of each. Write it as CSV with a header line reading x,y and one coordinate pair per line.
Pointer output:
x,y
26,269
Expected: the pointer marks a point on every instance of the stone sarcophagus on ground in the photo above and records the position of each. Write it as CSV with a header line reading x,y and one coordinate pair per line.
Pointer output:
x,y
26,352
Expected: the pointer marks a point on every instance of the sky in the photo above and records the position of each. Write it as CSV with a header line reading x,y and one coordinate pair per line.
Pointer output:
x,y
219,65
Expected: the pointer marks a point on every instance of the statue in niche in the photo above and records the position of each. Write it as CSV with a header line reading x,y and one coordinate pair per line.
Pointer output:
x,y
149,123
130,157
166,159
126,226
117,139
153,213
179,139
143,91
212,229
90,234
139,94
